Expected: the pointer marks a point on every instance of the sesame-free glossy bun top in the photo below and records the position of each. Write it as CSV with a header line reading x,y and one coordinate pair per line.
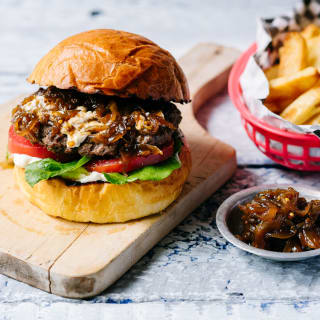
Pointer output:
x,y
112,62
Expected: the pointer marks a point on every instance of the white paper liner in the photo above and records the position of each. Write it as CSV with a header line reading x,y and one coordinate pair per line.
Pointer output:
x,y
254,84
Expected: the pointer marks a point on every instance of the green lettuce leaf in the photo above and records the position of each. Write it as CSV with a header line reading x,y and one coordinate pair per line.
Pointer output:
x,y
48,168
8,155
75,174
154,172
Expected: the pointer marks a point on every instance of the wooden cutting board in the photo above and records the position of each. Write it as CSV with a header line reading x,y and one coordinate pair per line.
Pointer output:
x,y
79,260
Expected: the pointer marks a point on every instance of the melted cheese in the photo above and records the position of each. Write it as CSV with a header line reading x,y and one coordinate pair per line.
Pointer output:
x,y
37,104
79,127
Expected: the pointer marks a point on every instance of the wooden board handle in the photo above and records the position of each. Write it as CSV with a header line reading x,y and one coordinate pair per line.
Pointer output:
x,y
207,67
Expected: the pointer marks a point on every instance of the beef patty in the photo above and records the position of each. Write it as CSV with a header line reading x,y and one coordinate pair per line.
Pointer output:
x,y
76,124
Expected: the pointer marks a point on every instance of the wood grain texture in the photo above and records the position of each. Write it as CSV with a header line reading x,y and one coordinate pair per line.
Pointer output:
x,y
79,259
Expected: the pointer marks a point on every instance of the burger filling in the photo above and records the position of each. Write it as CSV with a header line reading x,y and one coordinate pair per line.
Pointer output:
x,y
84,132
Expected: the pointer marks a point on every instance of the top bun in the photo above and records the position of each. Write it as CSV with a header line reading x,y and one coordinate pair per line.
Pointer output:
x,y
112,62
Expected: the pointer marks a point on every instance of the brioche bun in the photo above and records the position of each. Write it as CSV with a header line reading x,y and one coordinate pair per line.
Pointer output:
x,y
112,62
104,202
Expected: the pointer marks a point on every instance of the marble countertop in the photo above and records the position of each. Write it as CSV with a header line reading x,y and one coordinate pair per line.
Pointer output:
x,y
193,273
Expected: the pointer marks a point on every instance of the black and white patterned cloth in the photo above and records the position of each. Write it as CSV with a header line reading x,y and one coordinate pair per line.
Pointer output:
x,y
270,36
305,13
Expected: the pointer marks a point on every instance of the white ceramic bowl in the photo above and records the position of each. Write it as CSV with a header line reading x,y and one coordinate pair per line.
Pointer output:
x,y
226,222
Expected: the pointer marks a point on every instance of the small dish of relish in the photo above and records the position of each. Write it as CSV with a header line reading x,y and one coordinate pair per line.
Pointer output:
x,y
279,222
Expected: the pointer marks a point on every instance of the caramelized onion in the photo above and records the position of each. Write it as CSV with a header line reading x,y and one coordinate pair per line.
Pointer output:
x,y
280,220
310,238
292,245
117,118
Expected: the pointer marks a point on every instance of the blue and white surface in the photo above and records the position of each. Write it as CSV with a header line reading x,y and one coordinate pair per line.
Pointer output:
x,y
193,273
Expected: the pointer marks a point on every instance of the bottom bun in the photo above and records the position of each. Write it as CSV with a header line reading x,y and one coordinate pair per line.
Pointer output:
x,y
104,202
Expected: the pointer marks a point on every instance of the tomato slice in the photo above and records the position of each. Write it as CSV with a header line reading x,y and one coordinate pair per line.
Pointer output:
x,y
19,144
133,163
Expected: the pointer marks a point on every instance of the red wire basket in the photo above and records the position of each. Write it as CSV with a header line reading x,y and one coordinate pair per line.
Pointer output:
x,y
293,150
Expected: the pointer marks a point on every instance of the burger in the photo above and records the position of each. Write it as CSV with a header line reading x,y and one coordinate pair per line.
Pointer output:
x,y
100,140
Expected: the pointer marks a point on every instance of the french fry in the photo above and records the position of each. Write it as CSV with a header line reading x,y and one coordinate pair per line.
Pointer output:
x,y
293,55
278,105
310,31
290,87
313,45
314,120
304,107
294,84
272,72
272,106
